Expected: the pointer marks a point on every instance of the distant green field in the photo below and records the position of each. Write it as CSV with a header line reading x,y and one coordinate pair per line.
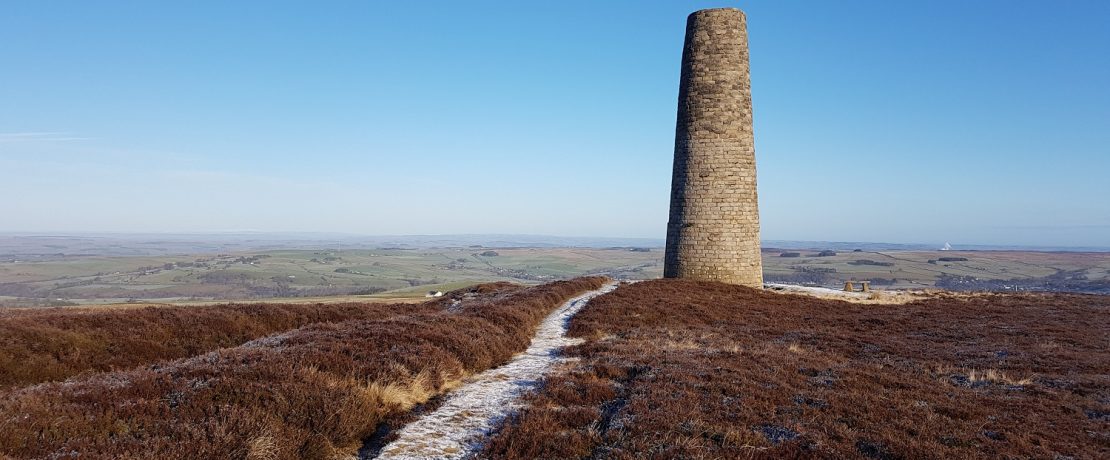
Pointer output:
x,y
58,279
302,273
965,270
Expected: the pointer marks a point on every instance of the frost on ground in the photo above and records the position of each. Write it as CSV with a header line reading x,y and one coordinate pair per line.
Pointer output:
x,y
815,291
875,296
457,427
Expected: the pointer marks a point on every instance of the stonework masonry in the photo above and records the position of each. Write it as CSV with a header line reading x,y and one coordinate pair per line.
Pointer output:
x,y
713,232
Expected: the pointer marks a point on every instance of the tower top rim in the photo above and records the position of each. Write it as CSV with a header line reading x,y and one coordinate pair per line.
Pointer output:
x,y
713,11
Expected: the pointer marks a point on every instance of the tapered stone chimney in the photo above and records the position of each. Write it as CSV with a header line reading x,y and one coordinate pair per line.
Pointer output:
x,y
713,232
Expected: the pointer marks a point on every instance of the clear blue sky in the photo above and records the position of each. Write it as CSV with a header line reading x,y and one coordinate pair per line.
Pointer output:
x,y
971,122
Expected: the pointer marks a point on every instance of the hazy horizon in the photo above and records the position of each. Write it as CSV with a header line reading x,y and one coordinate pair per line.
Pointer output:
x,y
308,239
975,124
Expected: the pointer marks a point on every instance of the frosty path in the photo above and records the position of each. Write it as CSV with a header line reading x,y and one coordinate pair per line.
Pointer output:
x,y
456,428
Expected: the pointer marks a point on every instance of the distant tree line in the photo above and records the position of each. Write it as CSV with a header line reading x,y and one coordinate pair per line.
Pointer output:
x,y
871,262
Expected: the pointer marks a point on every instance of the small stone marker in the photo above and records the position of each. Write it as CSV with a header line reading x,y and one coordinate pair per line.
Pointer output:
x,y
865,286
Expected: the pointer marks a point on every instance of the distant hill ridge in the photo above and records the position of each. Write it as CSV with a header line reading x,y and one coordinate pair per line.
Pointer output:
x,y
214,242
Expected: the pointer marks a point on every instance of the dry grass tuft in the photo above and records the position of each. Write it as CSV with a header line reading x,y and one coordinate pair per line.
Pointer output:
x,y
263,448
975,377
994,376
404,395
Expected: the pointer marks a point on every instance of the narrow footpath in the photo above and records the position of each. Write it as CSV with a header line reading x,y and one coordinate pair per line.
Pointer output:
x,y
458,426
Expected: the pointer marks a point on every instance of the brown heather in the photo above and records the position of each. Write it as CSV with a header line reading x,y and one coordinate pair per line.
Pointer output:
x,y
313,392
685,369
45,345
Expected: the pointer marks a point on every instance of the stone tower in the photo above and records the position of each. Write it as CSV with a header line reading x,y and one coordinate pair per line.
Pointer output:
x,y
713,233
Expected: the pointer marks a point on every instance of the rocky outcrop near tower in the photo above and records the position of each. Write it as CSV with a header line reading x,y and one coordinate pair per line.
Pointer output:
x,y
713,232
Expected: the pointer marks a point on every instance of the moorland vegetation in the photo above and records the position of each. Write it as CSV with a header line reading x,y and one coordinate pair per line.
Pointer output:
x,y
313,392
42,345
684,369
